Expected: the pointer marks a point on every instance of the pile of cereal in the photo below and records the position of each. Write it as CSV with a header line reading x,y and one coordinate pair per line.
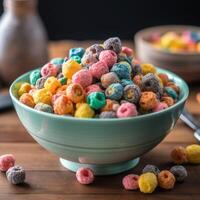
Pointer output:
x,y
186,41
102,81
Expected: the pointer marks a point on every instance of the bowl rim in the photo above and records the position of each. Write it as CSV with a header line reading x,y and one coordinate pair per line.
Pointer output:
x,y
139,37
52,115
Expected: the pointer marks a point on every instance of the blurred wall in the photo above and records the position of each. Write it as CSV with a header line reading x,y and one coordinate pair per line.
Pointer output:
x,y
87,19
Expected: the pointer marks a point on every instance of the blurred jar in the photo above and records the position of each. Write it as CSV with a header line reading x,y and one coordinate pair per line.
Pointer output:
x,y
23,39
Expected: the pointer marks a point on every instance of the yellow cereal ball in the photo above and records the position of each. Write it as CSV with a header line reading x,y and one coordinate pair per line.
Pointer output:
x,y
147,182
52,84
69,68
24,88
84,111
27,99
42,96
193,153
148,68
168,39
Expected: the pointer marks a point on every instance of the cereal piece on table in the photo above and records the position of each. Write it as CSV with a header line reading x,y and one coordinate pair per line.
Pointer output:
x,y
93,88
171,92
49,70
34,76
198,97
40,82
85,176
127,110
78,51
148,68
52,84
96,100
168,100
16,175
193,153
136,69
148,100
121,70
88,59
82,77
160,106
179,155
84,111
109,57
151,168
24,88
109,105
57,61
6,161
109,78
63,105
126,82
166,180
43,107
69,68
128,51
130,182
113,44
132,93
96,49
179,172
114,91
27,99
98,69
107,114
75,93
164,78
147,182
42,96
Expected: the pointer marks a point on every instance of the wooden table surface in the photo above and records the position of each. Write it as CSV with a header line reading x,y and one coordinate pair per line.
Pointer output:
x,y
48,180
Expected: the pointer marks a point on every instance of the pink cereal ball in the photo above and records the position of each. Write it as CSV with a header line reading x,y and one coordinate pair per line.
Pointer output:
x,y
128,51
127,110
82,77
160,106
54,97
130,182
92,88
49,70
85,176
109,57
6,161
98,69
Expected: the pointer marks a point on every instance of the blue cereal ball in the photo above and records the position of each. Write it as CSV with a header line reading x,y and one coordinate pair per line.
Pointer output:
x,y
76,52
34,76
126,82
151,168
179,172
128,65
132,93
16,175
171,92
107,114
121,70
114,91
57,61
76,58
43,107
113,44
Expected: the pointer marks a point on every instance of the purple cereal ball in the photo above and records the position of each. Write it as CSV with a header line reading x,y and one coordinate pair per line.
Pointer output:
x,y
96,49
109,57
108,114
16,175
40,82
127,110
151,168
88,59
108,79
132,93
98,69
82,77
113,44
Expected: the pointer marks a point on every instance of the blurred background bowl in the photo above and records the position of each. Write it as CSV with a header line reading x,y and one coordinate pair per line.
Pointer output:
x,y
185,64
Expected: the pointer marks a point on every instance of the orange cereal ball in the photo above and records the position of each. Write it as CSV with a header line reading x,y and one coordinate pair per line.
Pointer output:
x,y
164,78
42,96
166,180
69,68
24,88
63,105
179,155
148,68
27,99
52,84
84,111
61,89
198,97
75,93
109,105
148,100
168,100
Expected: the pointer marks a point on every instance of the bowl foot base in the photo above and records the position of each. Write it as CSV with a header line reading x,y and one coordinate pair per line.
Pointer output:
x,y
101,169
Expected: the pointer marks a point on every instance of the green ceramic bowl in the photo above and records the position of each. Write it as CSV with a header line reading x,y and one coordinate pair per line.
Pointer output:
x,y
107,146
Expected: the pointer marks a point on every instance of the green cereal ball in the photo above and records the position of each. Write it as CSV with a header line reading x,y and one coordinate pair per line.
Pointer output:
x,y
171,92
34,76
96,100
76,58
63,80
43,107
